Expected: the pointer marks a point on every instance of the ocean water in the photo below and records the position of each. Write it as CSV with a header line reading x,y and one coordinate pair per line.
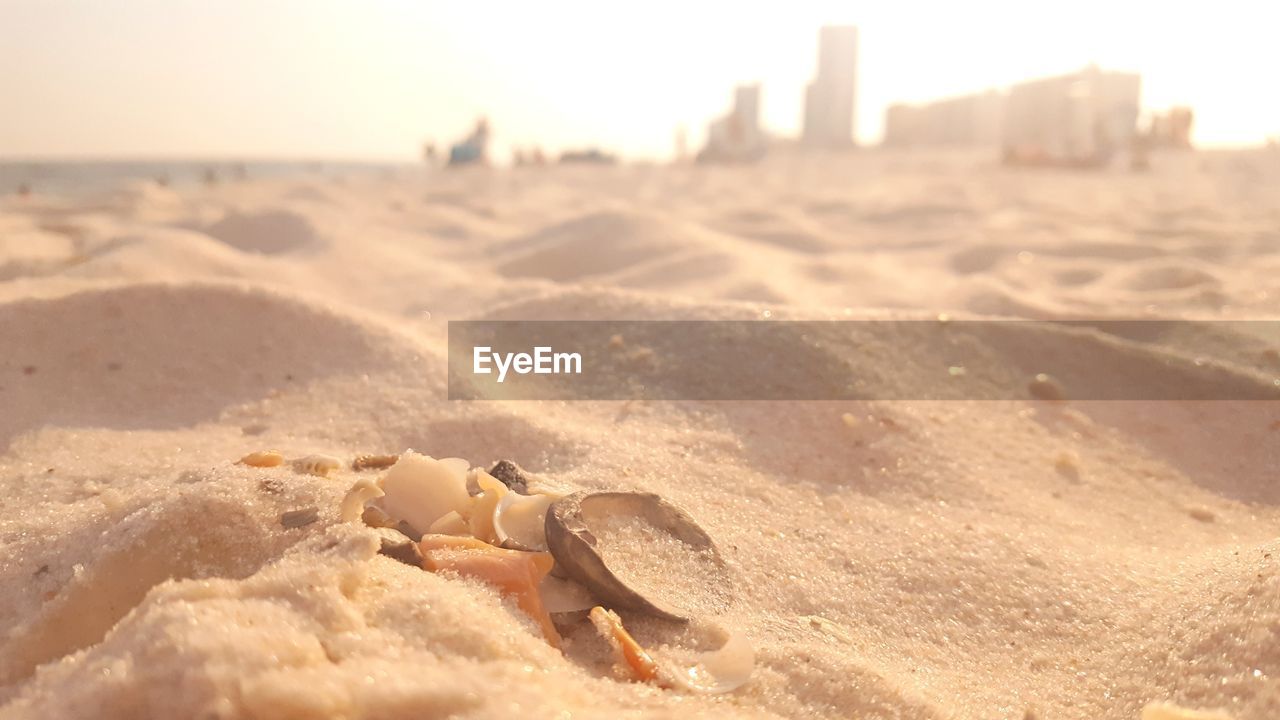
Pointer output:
x,y
78,178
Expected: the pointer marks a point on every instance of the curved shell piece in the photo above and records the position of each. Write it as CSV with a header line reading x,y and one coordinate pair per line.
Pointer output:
x,y
352,508
485,505
519,521
718,671
420,490
574,546
263,459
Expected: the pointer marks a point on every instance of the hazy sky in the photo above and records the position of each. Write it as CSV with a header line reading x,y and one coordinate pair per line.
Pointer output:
x,y
304,78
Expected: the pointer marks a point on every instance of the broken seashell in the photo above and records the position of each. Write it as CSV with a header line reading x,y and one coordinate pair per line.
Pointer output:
x,y
711,673
450,524
715,672
373,462
485,505
458,465
396,546
511,475
263,459
576,550
406,552
420,490
376,517
519,521
318,465
299,518
353,503
629,652
409,531
512,573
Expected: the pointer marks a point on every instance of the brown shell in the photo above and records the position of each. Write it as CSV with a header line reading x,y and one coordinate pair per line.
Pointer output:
x,y
573,546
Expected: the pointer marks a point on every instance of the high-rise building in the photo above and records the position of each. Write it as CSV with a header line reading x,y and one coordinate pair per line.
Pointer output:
x,y
829,100
746,111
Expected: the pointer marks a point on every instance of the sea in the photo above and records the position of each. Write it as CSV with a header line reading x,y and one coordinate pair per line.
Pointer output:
x,y
75,178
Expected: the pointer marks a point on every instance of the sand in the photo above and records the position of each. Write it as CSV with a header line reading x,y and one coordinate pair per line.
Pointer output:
x,y
660,567
931,560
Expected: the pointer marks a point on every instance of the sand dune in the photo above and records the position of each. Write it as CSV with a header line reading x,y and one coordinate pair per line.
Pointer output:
x,y
168,356
921,559
588,246
265,232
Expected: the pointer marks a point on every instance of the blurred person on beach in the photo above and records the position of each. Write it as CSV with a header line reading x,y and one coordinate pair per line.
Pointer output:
x,y
474,150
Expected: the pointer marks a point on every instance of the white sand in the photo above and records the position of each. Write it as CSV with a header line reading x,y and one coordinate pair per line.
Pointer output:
x,y
923,560
660,567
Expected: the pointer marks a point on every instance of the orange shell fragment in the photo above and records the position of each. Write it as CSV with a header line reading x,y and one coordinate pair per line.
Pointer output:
x,y
637,659
514,573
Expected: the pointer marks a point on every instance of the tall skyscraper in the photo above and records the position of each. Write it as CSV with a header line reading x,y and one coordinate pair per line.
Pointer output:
x,y
830,99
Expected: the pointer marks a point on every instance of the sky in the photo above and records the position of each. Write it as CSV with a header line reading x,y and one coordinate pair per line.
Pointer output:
x,y
258,79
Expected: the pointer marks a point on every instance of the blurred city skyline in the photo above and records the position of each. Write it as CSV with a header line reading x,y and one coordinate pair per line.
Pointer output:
x,y
374,81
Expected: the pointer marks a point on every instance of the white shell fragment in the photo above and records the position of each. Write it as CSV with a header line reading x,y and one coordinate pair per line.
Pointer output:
x,y
354,501
485,505
318,465
451,523
420,490
457,465
519,521
715,672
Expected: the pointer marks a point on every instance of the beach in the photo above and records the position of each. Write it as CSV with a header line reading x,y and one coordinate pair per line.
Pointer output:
x,y
1039,558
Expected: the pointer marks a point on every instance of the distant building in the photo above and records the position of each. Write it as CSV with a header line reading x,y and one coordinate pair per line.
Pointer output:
x,y
829,100
737,136
1172,128
967,121
1082,118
